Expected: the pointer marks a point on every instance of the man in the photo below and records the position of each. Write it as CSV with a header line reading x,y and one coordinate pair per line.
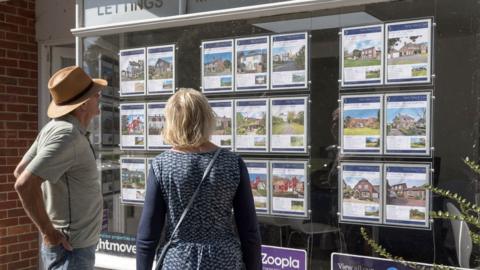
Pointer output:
x,y
57,179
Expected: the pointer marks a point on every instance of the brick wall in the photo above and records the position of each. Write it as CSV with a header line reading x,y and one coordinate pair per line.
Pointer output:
x,y
18,128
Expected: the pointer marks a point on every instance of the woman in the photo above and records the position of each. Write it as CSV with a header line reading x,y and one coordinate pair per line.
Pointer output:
x,y
206,238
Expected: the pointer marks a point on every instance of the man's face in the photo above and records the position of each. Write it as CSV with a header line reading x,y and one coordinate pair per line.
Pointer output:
x,y
91,105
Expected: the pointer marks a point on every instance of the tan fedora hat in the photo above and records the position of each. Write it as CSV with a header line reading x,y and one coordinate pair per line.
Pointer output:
x,y
70,87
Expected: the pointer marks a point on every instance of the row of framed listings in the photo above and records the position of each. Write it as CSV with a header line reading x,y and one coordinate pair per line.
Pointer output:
x,y
243,125
389,124
392,53
148,71
255,63
389,194
279,187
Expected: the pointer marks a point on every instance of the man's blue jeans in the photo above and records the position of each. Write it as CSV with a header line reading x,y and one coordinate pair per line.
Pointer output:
x,y
57,257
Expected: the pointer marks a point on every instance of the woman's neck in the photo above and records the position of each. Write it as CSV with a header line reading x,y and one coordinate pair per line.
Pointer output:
x,y
205,147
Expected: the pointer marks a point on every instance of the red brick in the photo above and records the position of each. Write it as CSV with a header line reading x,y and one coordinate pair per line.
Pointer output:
x,y
15,37
8,222
33,74
27,47
5,187
9,258
18,55
8,116
33,108
15,213
18,3
27,237
18,247
24,220
2,17
7,169
11,196
8,27
34,244
26,117
8,62
18,90
16,20
28,254
8,80
15,72
26,13
27,64
8,239
33,125
17,230
18,265
9,152
2,53
17,107
27,134
3,214
27,82
2,35
15,142
7,9
27,100
7,134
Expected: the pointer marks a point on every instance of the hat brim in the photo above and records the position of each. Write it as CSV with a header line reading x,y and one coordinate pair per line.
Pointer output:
x,y
55,111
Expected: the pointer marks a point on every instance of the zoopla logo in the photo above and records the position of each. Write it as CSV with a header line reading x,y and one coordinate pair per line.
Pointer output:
x,y
280,262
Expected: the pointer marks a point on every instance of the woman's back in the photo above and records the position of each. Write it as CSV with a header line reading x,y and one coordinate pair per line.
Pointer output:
x,y
206,238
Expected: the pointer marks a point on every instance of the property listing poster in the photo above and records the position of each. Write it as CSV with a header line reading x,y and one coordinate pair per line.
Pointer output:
x,y
251,127
133,179
217,66
407,124
132,126
362,55
223,132
161,69
106,123
288,120
361,127
251,70
407,201
259,182
155,125
132,72
289,61
289,188
361,192
408,56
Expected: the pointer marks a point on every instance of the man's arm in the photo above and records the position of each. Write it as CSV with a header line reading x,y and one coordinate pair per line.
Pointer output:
x,y
20,167
28,187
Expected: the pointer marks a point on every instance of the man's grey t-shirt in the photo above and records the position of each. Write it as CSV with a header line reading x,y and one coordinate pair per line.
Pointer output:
x,y
62,156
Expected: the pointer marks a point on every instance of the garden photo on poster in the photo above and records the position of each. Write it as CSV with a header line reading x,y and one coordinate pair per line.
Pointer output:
x,y
251,71
133,180
161,69
289,189
132,72
289,61
132,126
362,49
361,124
408,51
407,124
251,132
155,125
217,66
407,201
288,124
222,134
259,183
361,192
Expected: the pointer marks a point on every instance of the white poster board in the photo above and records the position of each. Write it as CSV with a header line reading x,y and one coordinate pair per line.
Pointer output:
x,y
217,66
252,63
258,172
223,132
132,126
161,70
155,126
251,125
132,72
133,180
289,186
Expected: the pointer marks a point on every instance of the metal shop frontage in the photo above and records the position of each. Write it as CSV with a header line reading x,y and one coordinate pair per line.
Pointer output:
x,y
358,119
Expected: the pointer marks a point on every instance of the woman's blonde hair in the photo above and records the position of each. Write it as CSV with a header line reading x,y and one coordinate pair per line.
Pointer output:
x,y
189,119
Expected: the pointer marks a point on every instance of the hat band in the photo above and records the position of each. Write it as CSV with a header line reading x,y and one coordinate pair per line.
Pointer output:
x,y
76,96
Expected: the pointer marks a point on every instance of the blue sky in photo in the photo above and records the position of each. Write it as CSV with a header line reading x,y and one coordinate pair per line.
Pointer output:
x,y
413,112
207,58
410,182
256,115
253,176
280,50
362,44
360,113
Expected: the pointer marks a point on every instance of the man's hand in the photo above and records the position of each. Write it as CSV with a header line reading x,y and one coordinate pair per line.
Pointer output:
x,y
55,238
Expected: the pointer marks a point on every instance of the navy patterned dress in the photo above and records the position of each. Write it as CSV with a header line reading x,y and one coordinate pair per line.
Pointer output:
x,y
207,238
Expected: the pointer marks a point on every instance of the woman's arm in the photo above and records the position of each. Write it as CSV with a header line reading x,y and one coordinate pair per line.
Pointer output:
x,y
151,223
246,220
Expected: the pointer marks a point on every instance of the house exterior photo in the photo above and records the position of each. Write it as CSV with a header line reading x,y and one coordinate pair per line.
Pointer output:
x,y
215,66
415,193
413,49
360,123
370,53
163,66
364,190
